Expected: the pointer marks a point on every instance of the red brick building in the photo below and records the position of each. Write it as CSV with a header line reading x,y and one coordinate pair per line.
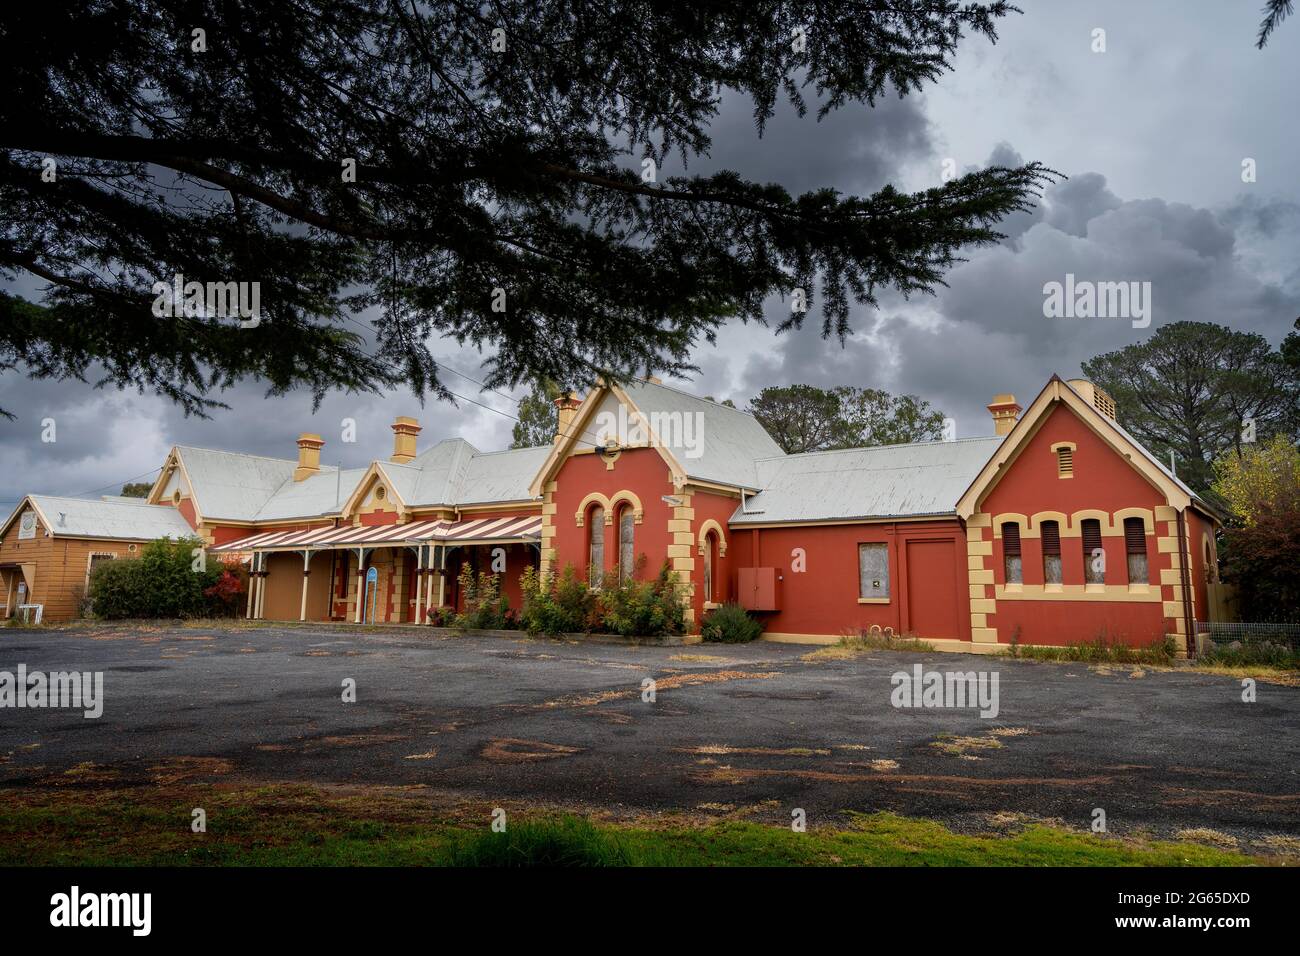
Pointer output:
x,y
1059,528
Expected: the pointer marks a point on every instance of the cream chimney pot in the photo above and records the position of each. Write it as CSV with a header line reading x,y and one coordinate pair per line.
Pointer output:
x,y
309,447
1005,413
405,432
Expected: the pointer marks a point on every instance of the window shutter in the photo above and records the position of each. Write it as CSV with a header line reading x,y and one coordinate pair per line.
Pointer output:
x,y
1011,539
1091,535
1135,538
1051,532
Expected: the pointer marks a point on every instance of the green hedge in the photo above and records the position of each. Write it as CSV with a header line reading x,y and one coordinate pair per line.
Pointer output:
x,y
730,624
162,582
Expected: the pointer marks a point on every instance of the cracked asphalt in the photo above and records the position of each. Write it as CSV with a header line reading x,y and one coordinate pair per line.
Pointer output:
x,y
526,722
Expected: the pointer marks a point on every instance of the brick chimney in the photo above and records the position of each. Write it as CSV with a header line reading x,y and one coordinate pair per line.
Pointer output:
x,y
405,432
309,447
567,404
1005,413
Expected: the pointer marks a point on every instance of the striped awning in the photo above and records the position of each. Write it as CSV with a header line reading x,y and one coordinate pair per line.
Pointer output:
x,y
475,531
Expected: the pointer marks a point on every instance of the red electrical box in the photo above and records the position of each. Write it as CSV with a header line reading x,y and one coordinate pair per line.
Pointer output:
x,y
759,589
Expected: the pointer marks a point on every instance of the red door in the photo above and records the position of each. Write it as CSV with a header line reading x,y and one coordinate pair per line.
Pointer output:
x,y
932,606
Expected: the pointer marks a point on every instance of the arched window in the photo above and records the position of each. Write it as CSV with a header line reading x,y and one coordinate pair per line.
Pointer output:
x,y
1094,556
626,544
596,545
1135,545
1051,537
710,557
1011,553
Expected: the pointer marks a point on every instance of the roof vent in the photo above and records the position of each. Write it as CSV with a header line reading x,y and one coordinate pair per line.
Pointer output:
x,y
1094,395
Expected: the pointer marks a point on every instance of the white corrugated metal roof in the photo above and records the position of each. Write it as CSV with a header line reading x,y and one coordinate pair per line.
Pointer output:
x,y
231,485
238,487
721,445
500,475
97,518
321,494
881,482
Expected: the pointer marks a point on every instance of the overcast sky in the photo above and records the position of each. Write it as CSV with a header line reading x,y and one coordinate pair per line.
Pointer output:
x,y
1152,134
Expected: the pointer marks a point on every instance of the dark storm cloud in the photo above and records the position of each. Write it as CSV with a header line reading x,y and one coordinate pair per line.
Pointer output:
x,y
853,150
1152,135
986,331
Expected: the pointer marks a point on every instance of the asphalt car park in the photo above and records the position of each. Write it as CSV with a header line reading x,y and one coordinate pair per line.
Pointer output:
x,y
640,730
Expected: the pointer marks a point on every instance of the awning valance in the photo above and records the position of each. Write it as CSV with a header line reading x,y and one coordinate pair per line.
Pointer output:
x,y
474,531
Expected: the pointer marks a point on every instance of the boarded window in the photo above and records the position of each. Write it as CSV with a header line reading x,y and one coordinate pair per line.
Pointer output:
x,y
596,549
1135,543
626,545
1011,553
873,571
1094,557
1051,536
1065,462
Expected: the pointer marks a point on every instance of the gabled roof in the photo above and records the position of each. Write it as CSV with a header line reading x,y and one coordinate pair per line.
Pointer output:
x,y
501,475
99,518
454,473
729,440
233,486
1058,391
886,481
698,439
316,496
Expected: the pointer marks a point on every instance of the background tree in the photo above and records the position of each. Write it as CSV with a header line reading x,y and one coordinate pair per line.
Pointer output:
x,y
136,489
487,173
1193,387
799,418
804,418
875,417
1263,480
1262,541
538,417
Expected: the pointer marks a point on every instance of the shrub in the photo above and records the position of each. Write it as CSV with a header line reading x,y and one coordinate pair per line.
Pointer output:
x,y
644,608
161,582
554,606
441,616
730,624
225,594
568,604
486,608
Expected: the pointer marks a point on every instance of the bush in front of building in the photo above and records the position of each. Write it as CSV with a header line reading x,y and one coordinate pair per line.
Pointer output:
x,y
161,582
226,596
563,604
486,608
644,608
567,604
730,624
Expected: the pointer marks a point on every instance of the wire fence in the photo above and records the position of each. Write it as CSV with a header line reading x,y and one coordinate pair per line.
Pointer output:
x,y
1237,634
